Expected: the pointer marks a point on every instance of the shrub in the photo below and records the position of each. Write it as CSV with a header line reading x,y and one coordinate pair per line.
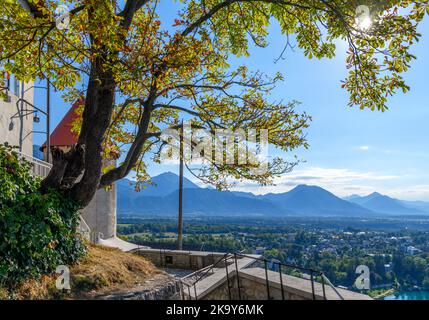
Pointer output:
x,y
37,231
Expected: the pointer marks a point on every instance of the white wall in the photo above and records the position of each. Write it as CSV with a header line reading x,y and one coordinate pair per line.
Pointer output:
x,y
100,214
7,110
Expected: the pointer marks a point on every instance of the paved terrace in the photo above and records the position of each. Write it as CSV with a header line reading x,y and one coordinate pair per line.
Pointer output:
x,y
294,287
253,285
217,277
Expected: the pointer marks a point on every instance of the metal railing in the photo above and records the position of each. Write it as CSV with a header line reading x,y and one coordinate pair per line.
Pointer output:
x,y
199,275
38,167
325,278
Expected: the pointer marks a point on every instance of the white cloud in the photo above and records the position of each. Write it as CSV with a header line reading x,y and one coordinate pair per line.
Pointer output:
x,y
416,192
342,182
364,148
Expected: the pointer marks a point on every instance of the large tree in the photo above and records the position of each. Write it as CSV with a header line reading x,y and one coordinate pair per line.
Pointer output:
x,y
139,73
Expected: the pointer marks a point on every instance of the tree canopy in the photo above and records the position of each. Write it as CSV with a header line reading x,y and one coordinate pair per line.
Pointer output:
x,y
141,73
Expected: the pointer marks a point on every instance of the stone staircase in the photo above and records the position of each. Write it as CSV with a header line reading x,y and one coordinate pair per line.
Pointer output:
x,y
238,277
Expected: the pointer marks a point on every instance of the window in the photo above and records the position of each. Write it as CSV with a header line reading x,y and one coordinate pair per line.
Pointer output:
x,y
168,259
5,80
16,86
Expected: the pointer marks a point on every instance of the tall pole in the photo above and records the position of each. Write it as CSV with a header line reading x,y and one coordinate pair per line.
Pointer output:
x,y
21,117
48,122
180,219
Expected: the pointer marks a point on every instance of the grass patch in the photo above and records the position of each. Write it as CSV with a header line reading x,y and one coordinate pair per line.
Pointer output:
x,y
102,270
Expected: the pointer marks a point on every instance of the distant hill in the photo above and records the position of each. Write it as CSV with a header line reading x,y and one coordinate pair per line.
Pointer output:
x,y
419,205
313,200
384,204
160,185
162,199
129,200
208,201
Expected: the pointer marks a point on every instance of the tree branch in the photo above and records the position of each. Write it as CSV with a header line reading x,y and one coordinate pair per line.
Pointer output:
x,y
131,7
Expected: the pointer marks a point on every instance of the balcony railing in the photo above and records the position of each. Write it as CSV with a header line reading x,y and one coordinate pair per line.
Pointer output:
x,y
38,167
229,263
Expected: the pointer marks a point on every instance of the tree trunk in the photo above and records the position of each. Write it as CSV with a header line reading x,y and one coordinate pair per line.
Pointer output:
x,y
59,164
86,156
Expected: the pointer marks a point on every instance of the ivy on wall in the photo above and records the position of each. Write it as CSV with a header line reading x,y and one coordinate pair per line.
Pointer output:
x,y
37,231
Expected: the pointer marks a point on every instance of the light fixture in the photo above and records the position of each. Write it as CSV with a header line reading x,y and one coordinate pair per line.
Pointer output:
x,y
36,118
11,125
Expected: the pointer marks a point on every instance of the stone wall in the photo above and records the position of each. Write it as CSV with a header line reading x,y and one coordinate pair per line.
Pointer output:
x,y
161,287
253,286
180,259
9,109
257,290
100,213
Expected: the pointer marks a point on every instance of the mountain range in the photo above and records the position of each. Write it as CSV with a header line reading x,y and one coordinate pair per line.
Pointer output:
x,y
160,197
384,204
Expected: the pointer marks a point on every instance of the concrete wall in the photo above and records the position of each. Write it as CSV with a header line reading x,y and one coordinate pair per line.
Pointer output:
x,y
180,259
100,214
253,286
7,110
252,289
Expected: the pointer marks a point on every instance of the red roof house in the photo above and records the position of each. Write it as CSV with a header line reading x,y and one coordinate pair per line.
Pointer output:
x,y
62,136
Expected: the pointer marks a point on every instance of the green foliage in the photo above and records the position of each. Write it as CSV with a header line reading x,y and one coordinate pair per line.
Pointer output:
x,y
184,69
37,231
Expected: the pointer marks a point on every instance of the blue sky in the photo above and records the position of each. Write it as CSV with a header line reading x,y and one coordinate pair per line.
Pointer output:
x,y
351,151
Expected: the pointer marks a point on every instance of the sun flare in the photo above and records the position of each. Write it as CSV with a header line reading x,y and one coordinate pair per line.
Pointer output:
x,y
364,24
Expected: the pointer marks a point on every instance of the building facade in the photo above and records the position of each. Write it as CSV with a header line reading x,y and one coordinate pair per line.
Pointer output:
x,y
16,122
